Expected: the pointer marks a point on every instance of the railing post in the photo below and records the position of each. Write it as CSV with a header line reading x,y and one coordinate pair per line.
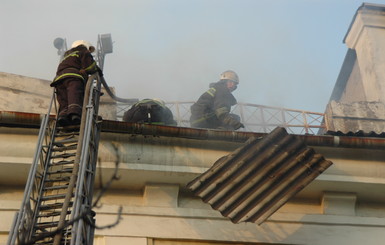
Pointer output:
x,y
306,126
242,114
263,120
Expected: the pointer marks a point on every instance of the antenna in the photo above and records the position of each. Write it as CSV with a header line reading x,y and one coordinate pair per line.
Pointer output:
x,y
104,46
61,45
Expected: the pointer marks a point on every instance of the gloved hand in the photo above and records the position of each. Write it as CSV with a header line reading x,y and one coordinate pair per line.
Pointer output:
x,y
239,125
232,120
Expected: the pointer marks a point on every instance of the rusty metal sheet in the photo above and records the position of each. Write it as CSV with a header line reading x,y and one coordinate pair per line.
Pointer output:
x,y
254,181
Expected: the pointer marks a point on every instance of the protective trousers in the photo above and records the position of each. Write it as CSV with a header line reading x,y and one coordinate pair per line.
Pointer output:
x,y
70,95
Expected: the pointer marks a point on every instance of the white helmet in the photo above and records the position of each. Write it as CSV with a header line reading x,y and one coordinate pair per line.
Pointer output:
x,y
159,101
88,45
230,75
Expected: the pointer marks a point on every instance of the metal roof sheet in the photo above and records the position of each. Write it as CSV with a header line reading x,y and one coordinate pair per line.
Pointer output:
x,y
251,183
359,133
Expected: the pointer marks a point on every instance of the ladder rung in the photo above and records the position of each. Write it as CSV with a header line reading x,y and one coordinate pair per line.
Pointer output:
x,y
65,155
44,225
74,129
48,240
53,197
44,242
51,214
63,162
65,148
66,178
61,171
65,141
64,134
55,187
53,206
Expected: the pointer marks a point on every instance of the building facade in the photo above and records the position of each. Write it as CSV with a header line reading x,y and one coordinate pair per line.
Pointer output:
x,y
343,205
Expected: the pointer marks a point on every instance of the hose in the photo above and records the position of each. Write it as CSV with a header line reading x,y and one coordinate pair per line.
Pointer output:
x,y
105,85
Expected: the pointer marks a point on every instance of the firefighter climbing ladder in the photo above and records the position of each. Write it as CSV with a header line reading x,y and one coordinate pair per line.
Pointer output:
x,y
56,208
57,203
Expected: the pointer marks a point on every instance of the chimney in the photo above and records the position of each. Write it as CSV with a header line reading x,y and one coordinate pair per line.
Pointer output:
x,y
358,99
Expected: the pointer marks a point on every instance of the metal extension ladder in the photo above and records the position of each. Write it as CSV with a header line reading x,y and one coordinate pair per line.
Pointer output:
x,y
57,204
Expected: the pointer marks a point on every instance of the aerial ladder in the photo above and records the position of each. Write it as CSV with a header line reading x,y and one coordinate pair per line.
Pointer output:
x,y
57,204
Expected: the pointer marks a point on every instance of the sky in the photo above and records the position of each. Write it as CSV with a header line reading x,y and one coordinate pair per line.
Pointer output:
x,y
287,53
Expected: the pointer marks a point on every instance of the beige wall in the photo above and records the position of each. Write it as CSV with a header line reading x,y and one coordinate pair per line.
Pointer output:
x,y
354,87
366,38
32,95
344,205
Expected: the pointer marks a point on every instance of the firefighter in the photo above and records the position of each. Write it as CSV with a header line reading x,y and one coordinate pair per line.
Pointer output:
x,y
212,110
151,111
70,80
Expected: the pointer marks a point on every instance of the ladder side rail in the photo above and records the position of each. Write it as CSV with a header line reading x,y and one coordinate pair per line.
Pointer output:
x,y
79,194
22,224
91,181
88,121
87,228
87,163
76,211
44,162
84,230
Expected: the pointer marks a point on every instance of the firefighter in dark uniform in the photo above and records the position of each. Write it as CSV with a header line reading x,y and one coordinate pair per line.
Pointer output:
x,y
71,77
212,110
151,111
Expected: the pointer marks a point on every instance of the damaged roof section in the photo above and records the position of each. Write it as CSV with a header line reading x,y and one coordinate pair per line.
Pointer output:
x,y
254,181
355,118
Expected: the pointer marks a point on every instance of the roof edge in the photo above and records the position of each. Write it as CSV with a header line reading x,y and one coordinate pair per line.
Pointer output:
x,y
31,120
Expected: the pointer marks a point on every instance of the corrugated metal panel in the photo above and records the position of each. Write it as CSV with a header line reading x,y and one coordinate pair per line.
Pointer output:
x,y
359,133
251,183
365,116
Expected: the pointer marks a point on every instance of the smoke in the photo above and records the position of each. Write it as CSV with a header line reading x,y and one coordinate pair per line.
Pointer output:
x,y
286,53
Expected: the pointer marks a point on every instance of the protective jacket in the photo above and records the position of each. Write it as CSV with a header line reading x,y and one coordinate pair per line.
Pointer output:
x,y
212,110
77,63
149,111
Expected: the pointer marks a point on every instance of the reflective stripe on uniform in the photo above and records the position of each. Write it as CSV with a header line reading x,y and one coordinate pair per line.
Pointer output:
x,y
67,75
71,54
92,67
202,119
211,91
157,123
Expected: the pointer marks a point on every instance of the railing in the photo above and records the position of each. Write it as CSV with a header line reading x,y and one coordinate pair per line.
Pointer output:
x,y
256,118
